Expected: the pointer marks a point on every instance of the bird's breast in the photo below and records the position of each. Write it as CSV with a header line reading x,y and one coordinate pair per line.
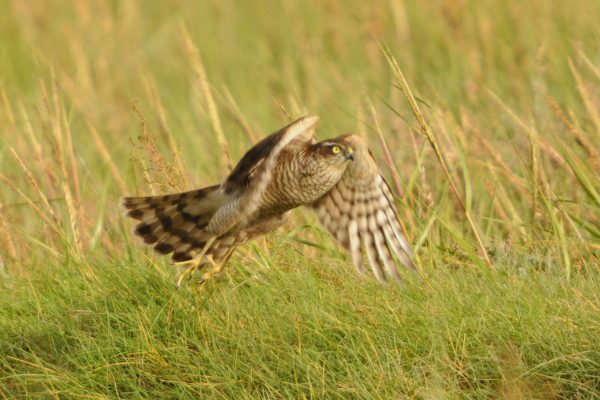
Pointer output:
x,y
294,182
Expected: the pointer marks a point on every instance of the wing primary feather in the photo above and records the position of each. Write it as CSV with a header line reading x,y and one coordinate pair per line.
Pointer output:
x,y
396,238
355,247
382,250
393,242
359,211
393,218
372,256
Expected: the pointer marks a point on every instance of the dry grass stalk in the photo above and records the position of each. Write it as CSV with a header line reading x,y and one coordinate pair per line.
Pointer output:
x,y
48,173
549,150
7,108
556,217
6,235
505,169
200,71
237,114
575,132
386,152
73,216
72,162
58,126
104,153
360,119
147,178
426,132
586,97
590,64
73,197
392,168
297,109
50,222
535,161
37,188
424,187
161,171
283,110
508,204
162,119
489,187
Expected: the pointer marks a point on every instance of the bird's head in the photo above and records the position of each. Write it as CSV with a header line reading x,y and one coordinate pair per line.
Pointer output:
x,y
333,151
326,163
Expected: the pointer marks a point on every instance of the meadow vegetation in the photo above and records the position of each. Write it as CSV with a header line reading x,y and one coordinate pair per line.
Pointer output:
x,y
484,115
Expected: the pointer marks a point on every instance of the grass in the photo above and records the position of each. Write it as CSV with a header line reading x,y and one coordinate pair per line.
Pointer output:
x,y
483,114
122,330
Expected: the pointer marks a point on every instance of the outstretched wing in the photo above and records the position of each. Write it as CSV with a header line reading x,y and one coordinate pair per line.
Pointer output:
x,y
359,212
251,176
175,223
182,223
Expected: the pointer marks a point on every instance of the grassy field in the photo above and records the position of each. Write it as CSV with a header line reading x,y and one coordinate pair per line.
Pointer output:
x,y
490,111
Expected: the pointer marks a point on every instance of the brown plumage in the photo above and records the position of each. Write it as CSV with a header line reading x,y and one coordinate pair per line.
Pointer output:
x,y
337,177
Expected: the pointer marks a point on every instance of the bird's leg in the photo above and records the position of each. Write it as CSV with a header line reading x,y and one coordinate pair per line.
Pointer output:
x,y
195,262
217,267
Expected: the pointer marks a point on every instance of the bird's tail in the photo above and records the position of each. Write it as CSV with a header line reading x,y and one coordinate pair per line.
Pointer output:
x,y
175,223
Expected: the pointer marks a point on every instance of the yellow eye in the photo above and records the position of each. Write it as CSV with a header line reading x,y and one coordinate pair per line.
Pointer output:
x,y
335,149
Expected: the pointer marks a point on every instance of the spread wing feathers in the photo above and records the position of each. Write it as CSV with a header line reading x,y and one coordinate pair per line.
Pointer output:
x,y
176,223
182,223
359,212
251,176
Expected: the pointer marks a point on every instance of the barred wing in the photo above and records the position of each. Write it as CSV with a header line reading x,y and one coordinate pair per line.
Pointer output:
x,y
182,223
359,212
176,223
250,178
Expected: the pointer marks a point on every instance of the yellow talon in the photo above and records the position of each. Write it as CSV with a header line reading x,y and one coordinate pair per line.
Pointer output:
x,y
217,267
195,262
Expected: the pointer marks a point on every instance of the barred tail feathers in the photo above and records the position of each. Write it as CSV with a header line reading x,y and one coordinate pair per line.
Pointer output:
x,y
175,223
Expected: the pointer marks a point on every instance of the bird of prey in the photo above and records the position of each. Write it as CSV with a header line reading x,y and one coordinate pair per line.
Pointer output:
x,y
338,178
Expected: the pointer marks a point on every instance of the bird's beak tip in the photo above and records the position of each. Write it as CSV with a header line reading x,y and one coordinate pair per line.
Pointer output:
x,y
350,154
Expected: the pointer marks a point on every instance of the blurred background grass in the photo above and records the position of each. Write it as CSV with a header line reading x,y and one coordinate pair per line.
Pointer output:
x,y
101,99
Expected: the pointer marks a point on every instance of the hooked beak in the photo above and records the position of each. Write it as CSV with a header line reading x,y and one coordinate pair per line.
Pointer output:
x,y
350,154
